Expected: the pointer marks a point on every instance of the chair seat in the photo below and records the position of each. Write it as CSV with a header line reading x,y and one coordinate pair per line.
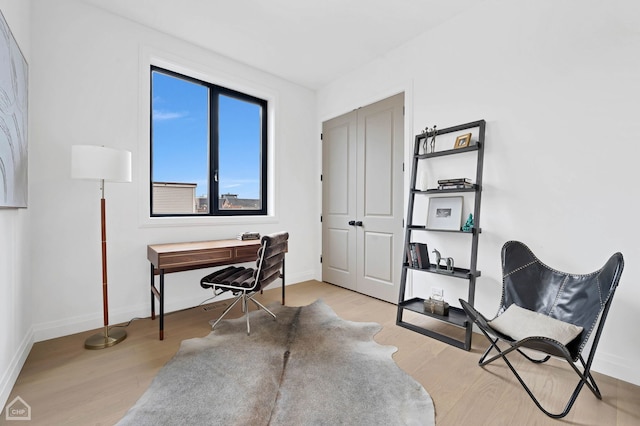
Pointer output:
x,y
232,276
519,323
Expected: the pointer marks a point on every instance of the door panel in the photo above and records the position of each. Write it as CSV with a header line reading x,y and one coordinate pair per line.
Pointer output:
x,y
338,170
339,201
380,201
378,256
338,257
378,170
362,183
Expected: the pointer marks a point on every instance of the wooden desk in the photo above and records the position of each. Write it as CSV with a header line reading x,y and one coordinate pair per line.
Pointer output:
x,y
176,257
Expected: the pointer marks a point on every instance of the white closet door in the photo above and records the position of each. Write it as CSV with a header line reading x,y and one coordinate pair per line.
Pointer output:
x,y
362,199
339,200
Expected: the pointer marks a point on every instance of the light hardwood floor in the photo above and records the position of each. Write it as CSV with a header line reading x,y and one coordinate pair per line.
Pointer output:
x,y
67,385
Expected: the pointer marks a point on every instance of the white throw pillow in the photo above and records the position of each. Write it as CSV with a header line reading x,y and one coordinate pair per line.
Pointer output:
x,y
518,323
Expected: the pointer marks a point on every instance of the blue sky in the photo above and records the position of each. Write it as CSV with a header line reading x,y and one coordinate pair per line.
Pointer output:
x,y
181,133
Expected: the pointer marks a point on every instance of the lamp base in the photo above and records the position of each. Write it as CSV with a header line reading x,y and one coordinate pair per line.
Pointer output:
x,y
105,339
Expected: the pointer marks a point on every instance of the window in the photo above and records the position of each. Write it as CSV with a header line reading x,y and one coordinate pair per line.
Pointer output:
x,y
208,148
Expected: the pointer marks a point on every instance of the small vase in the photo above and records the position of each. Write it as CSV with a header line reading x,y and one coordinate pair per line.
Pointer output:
x,y
422,184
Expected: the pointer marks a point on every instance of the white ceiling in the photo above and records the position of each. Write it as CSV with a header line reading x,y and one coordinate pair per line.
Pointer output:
x,y
309,42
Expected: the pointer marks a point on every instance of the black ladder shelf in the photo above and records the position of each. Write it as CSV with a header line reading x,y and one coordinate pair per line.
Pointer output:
x,y
456,316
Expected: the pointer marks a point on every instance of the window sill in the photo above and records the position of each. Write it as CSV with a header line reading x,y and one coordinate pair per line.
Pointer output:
x,y
187,221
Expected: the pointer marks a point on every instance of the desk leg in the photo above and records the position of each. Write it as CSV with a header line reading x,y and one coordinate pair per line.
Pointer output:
x,y
282,282
161,304
153,301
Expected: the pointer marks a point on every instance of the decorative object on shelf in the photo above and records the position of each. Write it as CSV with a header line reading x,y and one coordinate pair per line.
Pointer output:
x,y
462,141
455,183
450,264
423,183
438,257
432,144
447,260
445,213
436,306
468,225
424,139
437,293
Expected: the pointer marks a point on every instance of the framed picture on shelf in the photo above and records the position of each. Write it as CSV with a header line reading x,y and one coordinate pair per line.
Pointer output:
x,y
462,141
444,213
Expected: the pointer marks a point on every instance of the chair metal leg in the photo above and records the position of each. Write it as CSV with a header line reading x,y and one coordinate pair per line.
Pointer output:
x,y
591,383
481,361
494,345
244,297
226,311
261,306
245,308
572,398
585,376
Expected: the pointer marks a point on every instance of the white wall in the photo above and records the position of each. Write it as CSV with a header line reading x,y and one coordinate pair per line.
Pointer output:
x,y
90,83
16,333
557,82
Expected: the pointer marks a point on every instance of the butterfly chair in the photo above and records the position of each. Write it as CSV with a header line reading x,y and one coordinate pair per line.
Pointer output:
x,y
243,282
549,311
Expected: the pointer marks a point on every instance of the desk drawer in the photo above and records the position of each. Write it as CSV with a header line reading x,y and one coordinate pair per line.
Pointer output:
x,y
246,254
196,257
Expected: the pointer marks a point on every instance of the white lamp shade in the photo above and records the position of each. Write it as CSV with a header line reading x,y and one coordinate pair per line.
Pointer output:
x,y
100,163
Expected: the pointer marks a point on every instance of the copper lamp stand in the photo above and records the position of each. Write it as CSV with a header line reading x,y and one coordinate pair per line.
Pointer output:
x,y
108,337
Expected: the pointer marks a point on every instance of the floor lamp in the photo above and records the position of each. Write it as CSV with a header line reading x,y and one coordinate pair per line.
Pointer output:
x,y
102,164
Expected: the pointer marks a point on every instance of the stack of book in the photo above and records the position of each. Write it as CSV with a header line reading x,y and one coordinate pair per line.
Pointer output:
x,y
418,255
455,183
249,236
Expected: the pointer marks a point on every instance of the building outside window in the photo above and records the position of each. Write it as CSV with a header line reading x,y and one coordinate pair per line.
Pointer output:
x,y
207,143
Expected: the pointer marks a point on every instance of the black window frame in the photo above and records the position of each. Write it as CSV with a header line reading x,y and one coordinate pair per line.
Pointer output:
x,y
215,91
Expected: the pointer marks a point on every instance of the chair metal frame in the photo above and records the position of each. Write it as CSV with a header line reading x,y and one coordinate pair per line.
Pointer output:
x,y
572,352
241,292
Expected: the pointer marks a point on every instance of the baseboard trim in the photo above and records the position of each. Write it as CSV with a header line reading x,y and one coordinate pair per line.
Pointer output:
x,y
616,366
8,380
79,324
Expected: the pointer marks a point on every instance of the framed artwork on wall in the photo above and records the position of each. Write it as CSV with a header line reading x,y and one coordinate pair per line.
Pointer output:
x,y
13,120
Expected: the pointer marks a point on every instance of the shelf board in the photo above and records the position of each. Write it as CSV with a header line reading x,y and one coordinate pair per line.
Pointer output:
x,y
435,335
457,272
471,148
424,228
456,315
444,191
475,188
478,230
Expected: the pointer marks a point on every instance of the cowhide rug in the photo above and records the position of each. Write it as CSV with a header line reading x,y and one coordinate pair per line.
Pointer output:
x,y
307,367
